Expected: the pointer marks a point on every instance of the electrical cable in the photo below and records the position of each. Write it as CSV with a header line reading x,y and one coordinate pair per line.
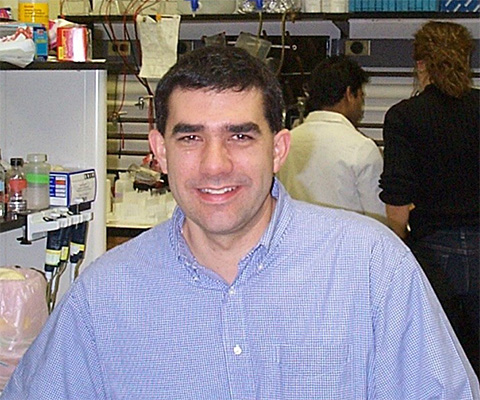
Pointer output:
x,y
126,62
134,71
53,264
282,51
260,23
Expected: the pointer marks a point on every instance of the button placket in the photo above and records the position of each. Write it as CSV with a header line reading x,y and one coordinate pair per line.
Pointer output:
x,y
239,366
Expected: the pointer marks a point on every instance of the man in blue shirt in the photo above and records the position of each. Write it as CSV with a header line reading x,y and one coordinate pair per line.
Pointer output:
x,y
245,293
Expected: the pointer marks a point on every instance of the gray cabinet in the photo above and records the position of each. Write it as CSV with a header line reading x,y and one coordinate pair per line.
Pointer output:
x,y
60,110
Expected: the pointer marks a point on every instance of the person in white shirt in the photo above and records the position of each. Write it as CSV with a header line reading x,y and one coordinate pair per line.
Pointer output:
x,y
331,163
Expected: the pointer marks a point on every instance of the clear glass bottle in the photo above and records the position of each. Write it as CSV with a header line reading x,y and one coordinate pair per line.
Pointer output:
x,y
249,6
16,185
268,6
37,172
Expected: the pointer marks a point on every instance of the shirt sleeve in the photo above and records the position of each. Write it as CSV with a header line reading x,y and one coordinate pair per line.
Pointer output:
x,y
62,363
397,179
370,164
418,355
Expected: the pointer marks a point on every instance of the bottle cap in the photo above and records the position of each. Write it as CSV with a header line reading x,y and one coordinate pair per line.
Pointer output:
x,y
16,162
37,157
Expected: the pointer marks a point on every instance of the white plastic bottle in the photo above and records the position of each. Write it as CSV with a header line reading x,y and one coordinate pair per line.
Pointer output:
x,y
122,185
335,6
37,172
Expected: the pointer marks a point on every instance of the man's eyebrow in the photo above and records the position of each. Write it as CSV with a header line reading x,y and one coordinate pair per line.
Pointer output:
x,y
243,128
186,128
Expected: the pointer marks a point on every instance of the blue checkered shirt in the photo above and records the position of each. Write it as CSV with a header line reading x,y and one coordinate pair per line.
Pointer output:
x,y
328,305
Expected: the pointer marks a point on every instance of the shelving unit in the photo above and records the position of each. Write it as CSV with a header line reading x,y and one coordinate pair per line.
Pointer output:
x,y
341,20
389,60
11,224
58,109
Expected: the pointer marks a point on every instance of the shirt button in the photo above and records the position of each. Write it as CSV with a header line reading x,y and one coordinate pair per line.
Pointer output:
x,y
231,291
260,267
237,350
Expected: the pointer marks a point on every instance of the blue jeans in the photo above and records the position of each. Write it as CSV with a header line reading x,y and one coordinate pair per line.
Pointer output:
x,y
451,261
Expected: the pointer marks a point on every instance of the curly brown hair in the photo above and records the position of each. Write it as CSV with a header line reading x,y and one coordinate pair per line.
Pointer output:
x,y
445,47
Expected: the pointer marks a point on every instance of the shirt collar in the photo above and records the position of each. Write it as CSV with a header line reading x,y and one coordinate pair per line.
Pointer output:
x,y
328,116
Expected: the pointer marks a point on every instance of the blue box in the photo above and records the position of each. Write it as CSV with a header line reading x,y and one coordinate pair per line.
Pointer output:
x,y
395,5
40,37
460,5
72,187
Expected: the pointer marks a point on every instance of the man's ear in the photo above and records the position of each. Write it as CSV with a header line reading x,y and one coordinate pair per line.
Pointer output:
x,y
350,95
281,147
157,145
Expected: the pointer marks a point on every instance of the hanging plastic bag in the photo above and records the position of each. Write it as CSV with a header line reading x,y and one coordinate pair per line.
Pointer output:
x,y
23,312
17,47
158,41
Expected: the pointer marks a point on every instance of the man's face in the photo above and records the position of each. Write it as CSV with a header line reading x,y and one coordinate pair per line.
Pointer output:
x,y
220,157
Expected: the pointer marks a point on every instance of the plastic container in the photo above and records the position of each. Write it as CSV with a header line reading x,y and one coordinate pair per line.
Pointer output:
x,y
336,6
123,185
312,6
206,6
257,47
23,313
75,7
33,11
16,185
268,6
37,172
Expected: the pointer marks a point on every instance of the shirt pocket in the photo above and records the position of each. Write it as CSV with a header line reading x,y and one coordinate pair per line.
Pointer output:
x,y
316,372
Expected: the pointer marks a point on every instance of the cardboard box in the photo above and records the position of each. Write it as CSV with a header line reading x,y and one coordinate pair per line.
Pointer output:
x,y
72,187
40,37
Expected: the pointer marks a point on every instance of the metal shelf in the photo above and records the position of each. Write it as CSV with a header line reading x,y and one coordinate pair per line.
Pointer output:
x,y
9,224
340,17
54,65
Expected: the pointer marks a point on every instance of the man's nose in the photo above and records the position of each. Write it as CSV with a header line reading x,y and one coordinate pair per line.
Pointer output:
x,y
216,158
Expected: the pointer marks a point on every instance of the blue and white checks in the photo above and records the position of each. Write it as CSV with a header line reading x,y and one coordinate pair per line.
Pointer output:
x,y
328,305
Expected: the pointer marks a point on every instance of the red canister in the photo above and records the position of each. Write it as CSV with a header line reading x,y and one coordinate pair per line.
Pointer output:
x,y
73,43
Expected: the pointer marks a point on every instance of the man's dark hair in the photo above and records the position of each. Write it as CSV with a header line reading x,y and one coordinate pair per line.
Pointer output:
x,y
330,79
220,69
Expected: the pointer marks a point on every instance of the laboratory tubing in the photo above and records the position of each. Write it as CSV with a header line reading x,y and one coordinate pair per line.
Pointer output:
x,y
16,185
37,172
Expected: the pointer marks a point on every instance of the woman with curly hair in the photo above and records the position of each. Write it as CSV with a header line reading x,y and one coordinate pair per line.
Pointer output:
x,y
430,182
